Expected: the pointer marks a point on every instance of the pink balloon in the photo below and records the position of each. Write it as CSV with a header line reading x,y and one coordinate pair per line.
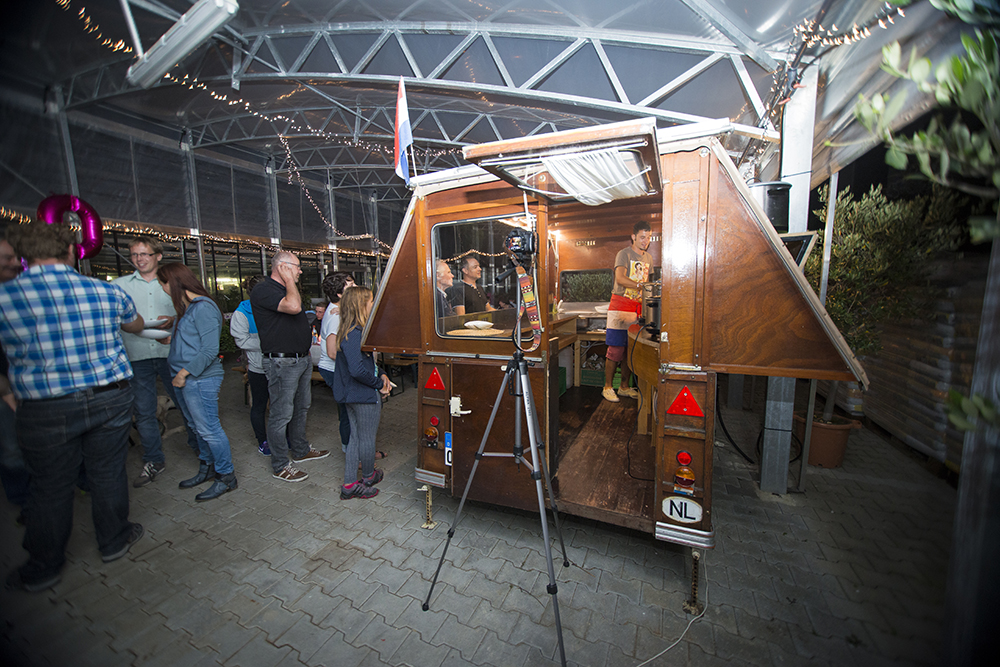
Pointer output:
x,y
51,212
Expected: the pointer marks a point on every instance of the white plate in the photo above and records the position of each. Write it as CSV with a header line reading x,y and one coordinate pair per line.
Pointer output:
x,y
155,323
155,334
602,309
478,324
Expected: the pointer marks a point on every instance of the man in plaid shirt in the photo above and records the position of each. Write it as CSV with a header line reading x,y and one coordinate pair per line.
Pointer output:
x,y
70,374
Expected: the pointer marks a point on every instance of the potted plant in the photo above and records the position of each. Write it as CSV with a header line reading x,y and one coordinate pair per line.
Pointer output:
x,y
879,254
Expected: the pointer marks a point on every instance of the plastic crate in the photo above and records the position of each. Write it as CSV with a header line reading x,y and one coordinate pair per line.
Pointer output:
x,y
590,377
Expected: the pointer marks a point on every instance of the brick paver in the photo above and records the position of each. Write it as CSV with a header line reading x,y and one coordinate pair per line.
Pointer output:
x,y
274,574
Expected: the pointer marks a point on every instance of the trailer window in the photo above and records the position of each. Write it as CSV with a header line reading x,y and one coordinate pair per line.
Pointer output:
x,y
469,300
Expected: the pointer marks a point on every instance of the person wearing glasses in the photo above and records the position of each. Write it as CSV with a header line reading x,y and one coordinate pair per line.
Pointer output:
x,y
147,356
285,339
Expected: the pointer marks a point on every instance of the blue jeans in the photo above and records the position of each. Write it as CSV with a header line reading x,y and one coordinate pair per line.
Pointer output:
x,y
57,436
13,470
345,423
198,400
288,386
144,406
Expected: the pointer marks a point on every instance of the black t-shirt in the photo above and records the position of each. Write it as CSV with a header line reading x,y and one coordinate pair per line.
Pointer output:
x,y
470,296
279,332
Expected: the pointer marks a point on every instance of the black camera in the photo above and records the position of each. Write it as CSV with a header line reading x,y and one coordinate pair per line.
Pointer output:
x,y
522,245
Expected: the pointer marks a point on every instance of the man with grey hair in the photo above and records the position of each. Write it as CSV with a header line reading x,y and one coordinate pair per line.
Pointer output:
x,y
285,339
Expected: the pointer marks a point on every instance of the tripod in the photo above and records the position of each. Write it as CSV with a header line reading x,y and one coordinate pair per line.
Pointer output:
x,y
516,374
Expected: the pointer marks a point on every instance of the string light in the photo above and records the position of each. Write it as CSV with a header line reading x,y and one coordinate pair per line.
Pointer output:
x,y
243,243
90,26
814,34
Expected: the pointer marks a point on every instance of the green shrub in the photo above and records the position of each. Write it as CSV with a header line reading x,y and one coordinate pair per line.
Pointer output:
x,y
880,250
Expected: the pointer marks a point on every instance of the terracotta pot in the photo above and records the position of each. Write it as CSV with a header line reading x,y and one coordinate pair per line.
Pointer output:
x,y
829,441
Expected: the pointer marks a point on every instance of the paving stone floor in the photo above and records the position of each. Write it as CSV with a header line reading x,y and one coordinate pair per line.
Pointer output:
x,y
849,573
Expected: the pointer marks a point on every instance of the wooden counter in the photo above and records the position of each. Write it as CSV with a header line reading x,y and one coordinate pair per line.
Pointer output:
x,y
644,358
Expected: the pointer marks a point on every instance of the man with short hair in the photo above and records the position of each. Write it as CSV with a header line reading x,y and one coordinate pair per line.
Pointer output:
x,y
285,339
632,265
69,370
468,297
147,356
444,280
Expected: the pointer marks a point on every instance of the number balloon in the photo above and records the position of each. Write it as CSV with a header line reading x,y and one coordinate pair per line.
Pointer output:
x,y
51,212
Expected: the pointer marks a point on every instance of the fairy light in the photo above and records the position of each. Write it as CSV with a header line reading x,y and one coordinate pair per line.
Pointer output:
x,y
90,26
814,34
11,214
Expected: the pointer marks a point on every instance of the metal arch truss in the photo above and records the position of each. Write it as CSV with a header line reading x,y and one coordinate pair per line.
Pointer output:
x,y
335,134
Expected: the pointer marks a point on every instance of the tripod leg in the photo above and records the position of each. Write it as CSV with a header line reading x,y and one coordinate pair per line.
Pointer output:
x,y
468,485
530,398
521,381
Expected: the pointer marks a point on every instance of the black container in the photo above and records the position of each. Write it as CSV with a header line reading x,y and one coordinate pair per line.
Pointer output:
x,y
776,203
653,316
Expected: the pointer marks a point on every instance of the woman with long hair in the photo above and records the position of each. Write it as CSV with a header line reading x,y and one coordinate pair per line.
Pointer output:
x,y
358,384
194,361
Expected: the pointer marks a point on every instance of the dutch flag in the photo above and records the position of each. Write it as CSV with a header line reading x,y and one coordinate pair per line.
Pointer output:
x,y
404,137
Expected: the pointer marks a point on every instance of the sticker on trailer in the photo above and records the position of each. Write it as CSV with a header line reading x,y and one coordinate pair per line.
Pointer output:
x,y
447,448
683,510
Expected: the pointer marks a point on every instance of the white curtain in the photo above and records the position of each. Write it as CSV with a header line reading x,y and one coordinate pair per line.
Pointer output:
x,y
595,177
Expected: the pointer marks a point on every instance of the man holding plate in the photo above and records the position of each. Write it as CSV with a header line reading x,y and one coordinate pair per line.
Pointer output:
x,y
147,352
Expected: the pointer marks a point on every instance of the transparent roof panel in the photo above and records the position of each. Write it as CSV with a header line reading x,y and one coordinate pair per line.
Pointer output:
x,y
667,17
709,95
643,71
582,73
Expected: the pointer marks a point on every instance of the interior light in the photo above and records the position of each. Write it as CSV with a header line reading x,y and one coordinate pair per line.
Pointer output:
x,y
190,31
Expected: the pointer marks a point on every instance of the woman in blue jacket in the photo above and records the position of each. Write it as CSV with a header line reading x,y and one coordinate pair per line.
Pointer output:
x,y
358,384
194,361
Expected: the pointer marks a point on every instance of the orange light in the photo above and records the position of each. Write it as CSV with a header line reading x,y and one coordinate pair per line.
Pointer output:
x,y
683,458
684,477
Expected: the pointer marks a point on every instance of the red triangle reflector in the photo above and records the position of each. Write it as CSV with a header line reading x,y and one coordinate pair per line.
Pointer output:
x,y
435,381
685,405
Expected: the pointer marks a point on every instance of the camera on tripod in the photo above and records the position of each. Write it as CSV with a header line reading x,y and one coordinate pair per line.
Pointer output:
x,y
522,246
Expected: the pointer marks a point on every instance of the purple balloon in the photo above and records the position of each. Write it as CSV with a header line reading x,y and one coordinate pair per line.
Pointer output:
x,y
51,211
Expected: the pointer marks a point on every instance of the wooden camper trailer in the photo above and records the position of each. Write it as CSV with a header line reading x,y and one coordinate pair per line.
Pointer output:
x,y
733,301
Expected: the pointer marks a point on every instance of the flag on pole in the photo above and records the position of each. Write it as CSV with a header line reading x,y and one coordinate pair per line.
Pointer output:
x,y
404,137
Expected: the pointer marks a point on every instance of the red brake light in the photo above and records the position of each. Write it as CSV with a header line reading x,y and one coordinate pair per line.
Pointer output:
x,y
684,458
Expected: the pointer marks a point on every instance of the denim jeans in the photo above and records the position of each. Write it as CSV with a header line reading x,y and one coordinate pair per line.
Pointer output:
x,y
198,399
345,423
288,386
258,410
13,470
144,406
57,436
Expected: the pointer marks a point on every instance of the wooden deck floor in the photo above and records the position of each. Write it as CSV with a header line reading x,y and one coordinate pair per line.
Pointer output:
x,y
600,467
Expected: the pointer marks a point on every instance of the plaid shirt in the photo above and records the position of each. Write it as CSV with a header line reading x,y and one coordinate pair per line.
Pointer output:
x,y
60,331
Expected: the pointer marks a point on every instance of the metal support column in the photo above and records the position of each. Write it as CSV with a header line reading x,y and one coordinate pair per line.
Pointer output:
x,y
331,234
274,222
194,211
797,131
777,435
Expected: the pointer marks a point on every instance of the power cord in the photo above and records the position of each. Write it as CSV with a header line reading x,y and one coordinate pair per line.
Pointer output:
x,y
688,627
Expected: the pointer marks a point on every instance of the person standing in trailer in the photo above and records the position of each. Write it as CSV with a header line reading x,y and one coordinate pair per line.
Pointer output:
x,y
70,374
285,339
358,384
632,265
194,361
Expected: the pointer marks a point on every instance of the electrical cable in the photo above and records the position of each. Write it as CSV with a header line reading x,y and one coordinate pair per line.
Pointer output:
x,y
688,627
722,422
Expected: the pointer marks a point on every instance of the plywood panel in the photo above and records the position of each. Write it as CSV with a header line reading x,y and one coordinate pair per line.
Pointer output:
x,y
395,318
759,322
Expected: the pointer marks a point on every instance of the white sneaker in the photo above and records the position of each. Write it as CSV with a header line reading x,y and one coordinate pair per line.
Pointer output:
x,y
609,394
629,392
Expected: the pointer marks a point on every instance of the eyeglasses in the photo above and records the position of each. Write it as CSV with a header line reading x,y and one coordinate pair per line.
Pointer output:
x,y
295,264
141,255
